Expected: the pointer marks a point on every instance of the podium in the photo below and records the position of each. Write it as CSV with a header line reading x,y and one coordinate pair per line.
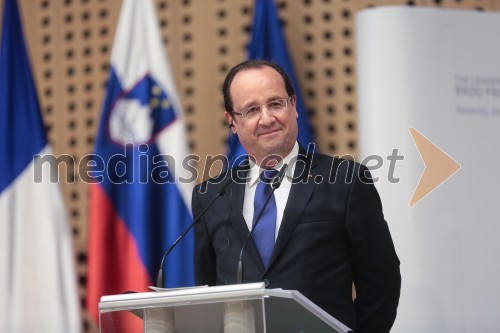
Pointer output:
x,y
241,308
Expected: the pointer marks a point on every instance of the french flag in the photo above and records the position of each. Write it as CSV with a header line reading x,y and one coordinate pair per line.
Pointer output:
x,y
37,274
141,192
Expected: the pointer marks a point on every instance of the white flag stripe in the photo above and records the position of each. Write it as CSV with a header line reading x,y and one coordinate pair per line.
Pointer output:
x,y
37,273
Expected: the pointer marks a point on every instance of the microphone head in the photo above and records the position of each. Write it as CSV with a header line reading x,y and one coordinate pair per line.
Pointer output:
x,y
226,184
278,179
227,181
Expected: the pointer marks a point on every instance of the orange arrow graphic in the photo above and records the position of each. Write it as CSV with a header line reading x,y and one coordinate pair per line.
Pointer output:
x,y
439,166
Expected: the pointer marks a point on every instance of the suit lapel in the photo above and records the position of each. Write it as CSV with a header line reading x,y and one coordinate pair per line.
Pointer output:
x,y
300,193
236,197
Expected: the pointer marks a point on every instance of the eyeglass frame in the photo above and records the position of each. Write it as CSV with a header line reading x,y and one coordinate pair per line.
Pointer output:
x,y
242,113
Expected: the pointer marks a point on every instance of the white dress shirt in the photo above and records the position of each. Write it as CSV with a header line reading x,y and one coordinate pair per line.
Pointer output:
x,y
280,194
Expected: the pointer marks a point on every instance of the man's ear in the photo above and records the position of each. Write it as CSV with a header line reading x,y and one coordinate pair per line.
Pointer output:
x,y
230,120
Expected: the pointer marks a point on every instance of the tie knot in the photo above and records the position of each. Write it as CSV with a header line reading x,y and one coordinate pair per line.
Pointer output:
x,y
268,175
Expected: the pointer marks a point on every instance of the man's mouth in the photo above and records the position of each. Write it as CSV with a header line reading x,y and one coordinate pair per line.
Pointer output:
x,y
268,132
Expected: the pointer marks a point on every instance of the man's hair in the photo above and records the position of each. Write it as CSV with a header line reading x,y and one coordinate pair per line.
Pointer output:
x,y
252,64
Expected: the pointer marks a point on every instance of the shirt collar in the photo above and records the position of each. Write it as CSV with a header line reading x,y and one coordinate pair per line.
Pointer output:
x,y
255,170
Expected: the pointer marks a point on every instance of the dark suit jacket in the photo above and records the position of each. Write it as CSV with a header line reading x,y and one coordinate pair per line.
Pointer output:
x,y
333,233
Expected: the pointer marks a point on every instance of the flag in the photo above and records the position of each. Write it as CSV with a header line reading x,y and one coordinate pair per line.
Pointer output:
x,y
268,42
37,273
140,193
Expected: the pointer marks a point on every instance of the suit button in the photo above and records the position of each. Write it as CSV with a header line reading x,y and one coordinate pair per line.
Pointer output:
x,y
266,282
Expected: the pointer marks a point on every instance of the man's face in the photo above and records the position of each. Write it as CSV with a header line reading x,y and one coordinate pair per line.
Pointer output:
x,y
268,133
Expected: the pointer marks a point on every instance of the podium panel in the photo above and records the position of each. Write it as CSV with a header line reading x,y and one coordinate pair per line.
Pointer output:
x,y
246,308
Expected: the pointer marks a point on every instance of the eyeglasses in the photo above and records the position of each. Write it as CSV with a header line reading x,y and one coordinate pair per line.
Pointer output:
x,y
274,106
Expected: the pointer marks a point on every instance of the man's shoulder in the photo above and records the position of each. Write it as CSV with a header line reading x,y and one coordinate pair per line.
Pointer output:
x,y
339,167
341,162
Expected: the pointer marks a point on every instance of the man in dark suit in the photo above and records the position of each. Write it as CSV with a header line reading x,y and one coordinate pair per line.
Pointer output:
x,y
325,229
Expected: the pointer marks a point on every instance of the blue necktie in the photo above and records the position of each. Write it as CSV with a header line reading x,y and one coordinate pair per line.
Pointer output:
x,y
263,233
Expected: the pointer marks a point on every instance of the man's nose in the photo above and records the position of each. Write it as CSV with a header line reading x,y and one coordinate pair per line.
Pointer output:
x,y
266,117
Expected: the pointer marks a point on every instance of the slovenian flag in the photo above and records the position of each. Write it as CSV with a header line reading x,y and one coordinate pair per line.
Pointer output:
x,y
141,191
37,274
268,42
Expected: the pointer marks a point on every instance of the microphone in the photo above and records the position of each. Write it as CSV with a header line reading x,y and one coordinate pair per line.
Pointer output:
x,y
225,186
275,184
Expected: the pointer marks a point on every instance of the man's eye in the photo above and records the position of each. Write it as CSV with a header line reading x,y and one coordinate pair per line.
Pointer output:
x,y
252,111
275,104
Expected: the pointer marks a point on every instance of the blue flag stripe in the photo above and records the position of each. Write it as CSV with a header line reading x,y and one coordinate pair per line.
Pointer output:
x,y
21,128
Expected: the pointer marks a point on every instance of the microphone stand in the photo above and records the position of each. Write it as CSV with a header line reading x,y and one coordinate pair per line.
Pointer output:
x,y
225,186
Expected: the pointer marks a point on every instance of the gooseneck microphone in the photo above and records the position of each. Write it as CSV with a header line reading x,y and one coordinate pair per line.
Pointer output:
x,y
225,186
275,183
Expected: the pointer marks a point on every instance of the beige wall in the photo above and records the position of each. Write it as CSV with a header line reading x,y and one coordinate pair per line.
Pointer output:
x,y
70,43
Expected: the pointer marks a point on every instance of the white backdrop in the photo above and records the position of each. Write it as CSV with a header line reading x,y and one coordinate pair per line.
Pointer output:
x,y
438,71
